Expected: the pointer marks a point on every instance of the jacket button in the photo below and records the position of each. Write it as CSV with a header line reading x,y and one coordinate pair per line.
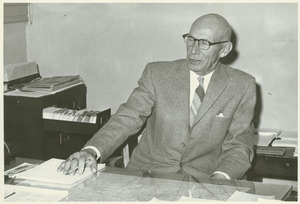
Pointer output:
x,y
182,144
181,165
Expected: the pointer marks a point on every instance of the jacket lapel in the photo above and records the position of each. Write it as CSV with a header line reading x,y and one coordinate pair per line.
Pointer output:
x,y
216,86
181,87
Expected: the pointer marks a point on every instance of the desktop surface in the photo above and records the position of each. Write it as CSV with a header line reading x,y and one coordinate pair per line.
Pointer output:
x,y
119,184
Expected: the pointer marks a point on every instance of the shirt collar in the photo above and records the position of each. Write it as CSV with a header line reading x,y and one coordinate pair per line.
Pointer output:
x,y
206,77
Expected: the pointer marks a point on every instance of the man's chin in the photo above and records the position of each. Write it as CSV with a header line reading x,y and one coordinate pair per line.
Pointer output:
x,y
195,68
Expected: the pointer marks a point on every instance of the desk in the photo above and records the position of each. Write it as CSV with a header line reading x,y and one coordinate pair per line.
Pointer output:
x,y
272,166
119,184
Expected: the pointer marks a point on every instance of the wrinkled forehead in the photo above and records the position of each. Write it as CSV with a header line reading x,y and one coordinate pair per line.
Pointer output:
x,y
211,28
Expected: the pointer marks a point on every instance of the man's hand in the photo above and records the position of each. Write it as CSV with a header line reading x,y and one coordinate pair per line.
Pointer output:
x,y
80,160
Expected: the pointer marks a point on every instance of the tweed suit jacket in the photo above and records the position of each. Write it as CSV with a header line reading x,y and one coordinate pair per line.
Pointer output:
x,y
221,138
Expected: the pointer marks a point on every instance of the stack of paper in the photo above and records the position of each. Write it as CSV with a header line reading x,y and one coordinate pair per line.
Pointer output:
x,y
47,172
52,84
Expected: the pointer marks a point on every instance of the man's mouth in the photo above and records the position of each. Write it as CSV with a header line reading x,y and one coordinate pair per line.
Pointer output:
x,y
194,61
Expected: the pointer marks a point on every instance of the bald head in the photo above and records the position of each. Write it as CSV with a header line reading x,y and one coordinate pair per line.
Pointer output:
x,y
217,25
214,29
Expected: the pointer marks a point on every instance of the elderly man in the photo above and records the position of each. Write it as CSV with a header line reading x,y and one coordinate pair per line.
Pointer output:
x,y
198,113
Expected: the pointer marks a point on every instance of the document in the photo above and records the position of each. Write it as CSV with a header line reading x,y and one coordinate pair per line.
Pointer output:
x,y
182,199
241,196
264,137
37,94
13,193
47,172
31,94
51,84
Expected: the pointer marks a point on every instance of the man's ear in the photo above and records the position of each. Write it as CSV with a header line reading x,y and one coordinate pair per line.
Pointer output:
x,y
227,47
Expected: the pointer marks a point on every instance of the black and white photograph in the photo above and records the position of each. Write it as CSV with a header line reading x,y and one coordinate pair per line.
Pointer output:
x,y
150,101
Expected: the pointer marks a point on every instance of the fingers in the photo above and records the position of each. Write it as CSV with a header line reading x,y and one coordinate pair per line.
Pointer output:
x,y
93,165
73,167
81,166
69,166
61,166
89,162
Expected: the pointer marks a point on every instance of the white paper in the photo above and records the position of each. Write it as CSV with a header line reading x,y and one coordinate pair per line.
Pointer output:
x,y
263,138
241,196
47,172
185,198
181,199
284,143
30,194
36,94
31,94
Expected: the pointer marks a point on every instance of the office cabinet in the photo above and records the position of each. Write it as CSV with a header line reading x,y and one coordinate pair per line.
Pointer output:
x,y
274,166
62,138
23,120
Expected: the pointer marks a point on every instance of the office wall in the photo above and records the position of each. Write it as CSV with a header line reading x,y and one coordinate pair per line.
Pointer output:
x,y
14,43
110,44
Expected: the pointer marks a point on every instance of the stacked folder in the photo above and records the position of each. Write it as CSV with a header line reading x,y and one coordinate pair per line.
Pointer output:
x,y
66,114
51,84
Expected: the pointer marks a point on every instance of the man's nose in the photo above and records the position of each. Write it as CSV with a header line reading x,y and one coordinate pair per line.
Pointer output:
x,y
196,48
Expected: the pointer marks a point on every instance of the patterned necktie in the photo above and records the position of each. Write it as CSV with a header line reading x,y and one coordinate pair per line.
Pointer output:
x,y
198,98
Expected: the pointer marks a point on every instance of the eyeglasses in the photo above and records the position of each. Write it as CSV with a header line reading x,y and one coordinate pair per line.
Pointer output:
x,y
203,44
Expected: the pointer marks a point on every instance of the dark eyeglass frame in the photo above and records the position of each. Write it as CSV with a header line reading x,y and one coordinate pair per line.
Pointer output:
x,y
195,39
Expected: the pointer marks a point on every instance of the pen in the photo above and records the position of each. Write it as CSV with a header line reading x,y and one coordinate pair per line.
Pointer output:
x,y
76,167
277,134
9,195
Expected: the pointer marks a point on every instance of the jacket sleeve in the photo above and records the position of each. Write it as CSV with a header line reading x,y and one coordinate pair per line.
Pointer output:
x,y
237,149
128,119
